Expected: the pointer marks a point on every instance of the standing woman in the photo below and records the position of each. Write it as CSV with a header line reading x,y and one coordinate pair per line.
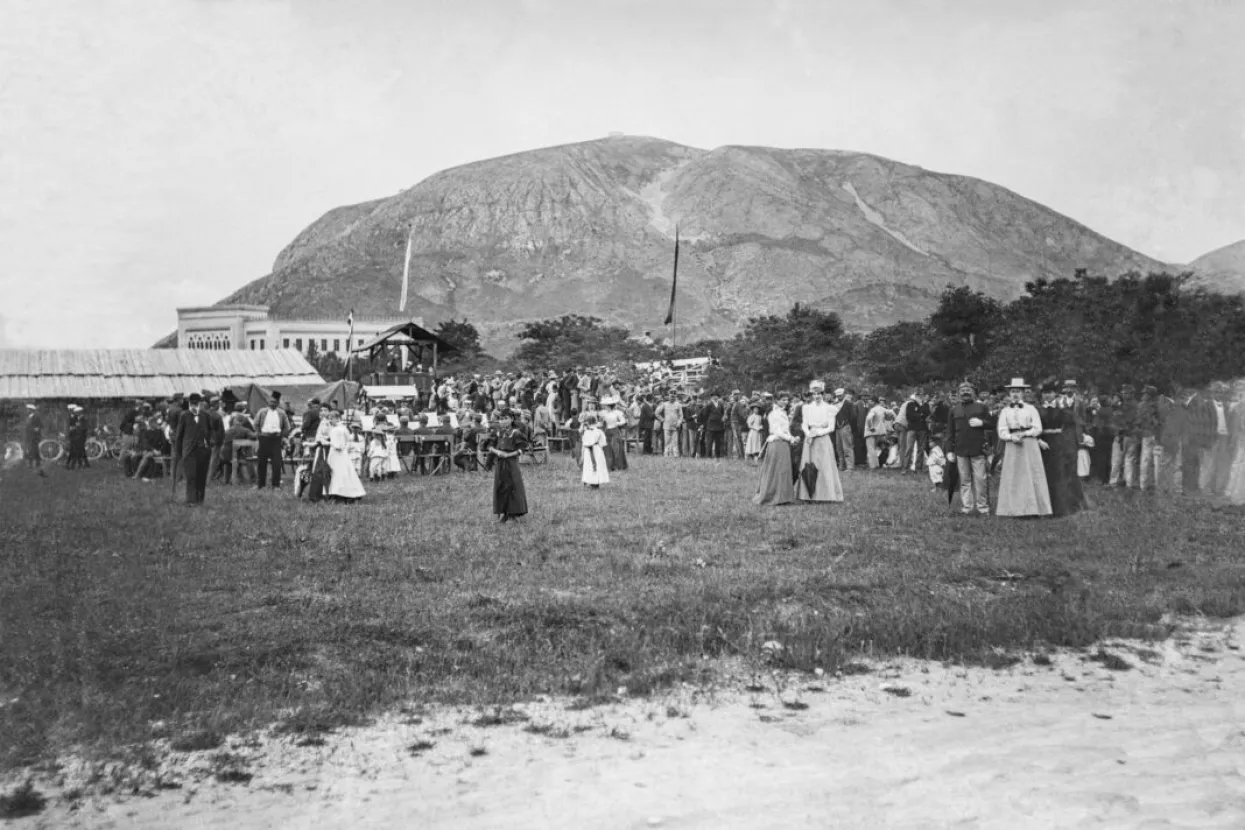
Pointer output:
x,y
614,422
818,450
1022,486
344,483
775,485
1059,455
509,497
596,468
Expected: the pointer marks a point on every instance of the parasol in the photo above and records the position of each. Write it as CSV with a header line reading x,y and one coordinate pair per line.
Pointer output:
x,y
952,480
808,475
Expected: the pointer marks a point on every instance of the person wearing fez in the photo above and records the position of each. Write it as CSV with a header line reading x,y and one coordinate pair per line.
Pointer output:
x,y
192,443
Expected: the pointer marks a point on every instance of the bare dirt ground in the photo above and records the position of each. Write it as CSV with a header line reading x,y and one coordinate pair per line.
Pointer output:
x,y
1073,740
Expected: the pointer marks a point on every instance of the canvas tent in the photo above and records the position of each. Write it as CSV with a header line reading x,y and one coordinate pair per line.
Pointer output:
x,y
341,393
256,397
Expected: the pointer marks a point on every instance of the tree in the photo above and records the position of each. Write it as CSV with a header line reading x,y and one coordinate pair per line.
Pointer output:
x,y
469,355
462,335
964,326
574,340
786,351
900,355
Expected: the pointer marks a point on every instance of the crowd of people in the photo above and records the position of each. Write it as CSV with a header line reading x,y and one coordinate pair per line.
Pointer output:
x,y
1043,444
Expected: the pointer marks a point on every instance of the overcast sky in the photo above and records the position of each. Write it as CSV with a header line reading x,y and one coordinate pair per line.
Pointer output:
x,y
159,153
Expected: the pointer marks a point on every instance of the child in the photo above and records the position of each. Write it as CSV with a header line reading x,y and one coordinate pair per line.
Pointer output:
x,y
377,456
753,446
936,462
509,495
596,470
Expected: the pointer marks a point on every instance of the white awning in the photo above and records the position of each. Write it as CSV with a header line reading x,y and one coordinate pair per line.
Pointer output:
x,y
391,393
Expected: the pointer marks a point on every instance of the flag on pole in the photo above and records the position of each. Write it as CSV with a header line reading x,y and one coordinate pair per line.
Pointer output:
x,y
349,345
674,283
406,270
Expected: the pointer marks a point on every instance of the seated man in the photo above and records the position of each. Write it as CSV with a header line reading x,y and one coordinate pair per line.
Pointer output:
x,y
466,456
152,444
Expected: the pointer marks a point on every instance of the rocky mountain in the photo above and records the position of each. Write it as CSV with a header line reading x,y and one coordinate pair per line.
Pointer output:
x,y
589,228
1223,269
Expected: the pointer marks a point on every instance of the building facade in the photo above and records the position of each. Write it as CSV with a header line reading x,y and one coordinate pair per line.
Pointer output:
x,y
252,327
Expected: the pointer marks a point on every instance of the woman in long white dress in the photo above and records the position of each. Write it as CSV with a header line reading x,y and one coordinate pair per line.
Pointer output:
x,y
596,469
344,482
1235,491
818,449
774,480
1022,486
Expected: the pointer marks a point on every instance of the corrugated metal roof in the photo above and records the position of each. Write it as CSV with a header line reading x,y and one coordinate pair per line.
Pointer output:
x,y
31,374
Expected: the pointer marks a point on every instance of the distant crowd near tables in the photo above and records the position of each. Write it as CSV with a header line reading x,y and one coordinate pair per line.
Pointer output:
x,y
1041,446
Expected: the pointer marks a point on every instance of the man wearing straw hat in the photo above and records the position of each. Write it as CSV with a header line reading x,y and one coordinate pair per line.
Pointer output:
x,y
966,448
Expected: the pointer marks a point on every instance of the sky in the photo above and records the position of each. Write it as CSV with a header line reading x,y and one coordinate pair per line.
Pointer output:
x,y
159,153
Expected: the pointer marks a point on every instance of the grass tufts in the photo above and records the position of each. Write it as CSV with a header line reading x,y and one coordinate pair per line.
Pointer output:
x,y
120,610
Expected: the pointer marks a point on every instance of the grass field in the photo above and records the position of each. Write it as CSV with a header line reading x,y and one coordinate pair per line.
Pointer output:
x,y
119,608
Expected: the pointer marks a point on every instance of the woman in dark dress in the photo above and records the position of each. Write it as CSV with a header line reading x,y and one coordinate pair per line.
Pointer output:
x,y
509,497
1059,454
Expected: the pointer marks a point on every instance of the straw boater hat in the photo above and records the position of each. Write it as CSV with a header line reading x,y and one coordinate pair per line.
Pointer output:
x,y
817,386
1017,383
968,386
1069,384
609,400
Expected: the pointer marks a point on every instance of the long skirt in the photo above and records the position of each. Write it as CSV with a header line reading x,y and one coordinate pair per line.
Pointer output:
x,y
615,449
1235,491
1022,486
1066,494
819,452
775,485
509,497
344,481
595,466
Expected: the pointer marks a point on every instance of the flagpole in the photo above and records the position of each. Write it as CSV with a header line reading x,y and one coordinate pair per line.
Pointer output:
x,y
406,268
349,344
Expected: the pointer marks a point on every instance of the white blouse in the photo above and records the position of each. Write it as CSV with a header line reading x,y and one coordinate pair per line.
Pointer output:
x,y
818,418
779,425
1019,422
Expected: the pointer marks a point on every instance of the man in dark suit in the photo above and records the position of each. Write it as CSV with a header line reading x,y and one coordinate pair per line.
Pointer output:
x,y
714,418
646,420
192,443
967,422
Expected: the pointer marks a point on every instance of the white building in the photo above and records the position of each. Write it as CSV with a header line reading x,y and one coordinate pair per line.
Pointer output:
x,y
252,327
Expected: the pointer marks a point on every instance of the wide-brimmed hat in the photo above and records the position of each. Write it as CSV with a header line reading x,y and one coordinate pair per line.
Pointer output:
x,y
31,406
609,400
239,407
1069,384
968,386
817,386
838,393
1017,383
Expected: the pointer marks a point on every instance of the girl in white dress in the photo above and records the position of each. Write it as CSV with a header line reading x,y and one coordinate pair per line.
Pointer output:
x,y
596,470
753,446
344,484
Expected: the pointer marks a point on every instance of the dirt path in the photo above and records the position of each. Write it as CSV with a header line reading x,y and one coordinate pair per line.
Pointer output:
x,y
1072,744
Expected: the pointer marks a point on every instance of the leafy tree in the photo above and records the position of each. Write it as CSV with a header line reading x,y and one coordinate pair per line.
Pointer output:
x,y
575,340
900,355
462,335
964,325
786,351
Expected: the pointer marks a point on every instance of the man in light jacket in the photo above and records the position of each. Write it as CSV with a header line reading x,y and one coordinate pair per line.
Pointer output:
x,y
271,426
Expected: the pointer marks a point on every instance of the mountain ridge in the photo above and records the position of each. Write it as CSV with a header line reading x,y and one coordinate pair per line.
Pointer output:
x,y
587,227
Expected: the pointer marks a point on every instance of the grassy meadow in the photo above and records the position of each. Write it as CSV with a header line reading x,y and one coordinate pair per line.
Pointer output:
x,y
120,607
